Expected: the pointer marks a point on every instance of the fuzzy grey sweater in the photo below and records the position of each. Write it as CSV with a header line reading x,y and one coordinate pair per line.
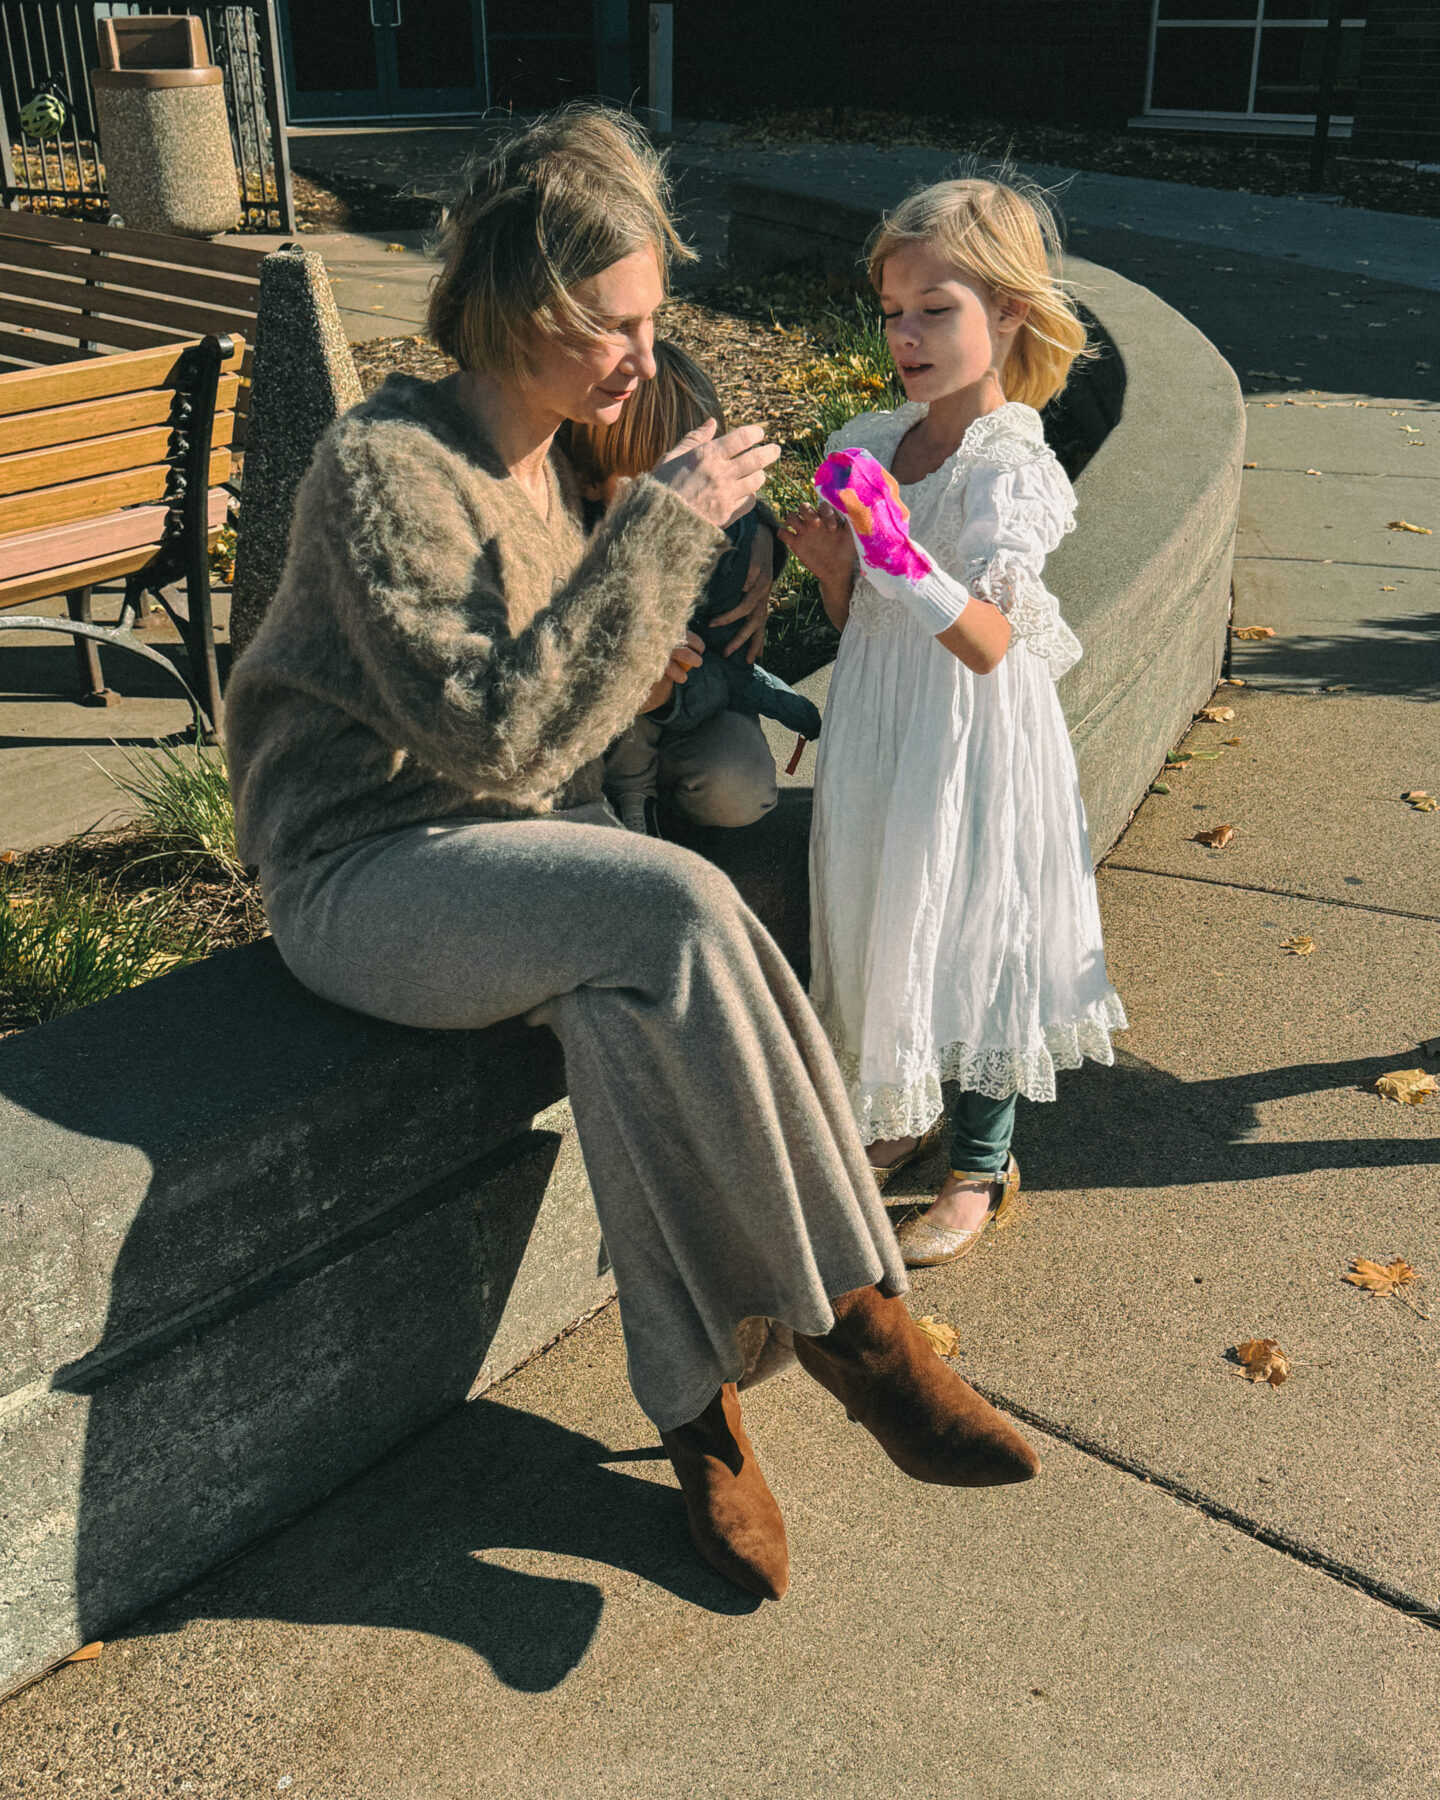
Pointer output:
x,y
438,649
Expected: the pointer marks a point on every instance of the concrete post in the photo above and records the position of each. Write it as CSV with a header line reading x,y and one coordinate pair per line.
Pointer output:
x,y
662,60
302,380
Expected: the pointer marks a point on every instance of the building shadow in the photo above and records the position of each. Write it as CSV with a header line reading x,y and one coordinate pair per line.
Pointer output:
x,y
1398,656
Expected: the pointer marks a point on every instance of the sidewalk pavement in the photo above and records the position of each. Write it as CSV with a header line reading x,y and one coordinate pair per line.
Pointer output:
x,y
1211,1589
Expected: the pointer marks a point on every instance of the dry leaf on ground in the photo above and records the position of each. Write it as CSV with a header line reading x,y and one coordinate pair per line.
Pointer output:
x,y
1408,1087
1234,743
1263,1360
1405,525
1380,1280
87,1652
1217,715
1298,946
1216,839
1253,634
1421,801
944,1340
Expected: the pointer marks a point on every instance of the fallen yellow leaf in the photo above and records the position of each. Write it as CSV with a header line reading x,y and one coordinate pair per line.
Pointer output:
x,y
1216,839
943,1338
1253,634
1249,465
1298,946
1380,1280
1405,525
1263,1360
395,249
1232,743
1408,1087
87,1652
1217,715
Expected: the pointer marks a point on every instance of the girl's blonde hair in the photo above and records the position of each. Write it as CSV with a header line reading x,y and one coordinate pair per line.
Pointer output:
x,y
550,206
678,398
1003,235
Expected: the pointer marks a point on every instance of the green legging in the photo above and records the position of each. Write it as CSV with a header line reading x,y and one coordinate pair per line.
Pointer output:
x,y
980,1132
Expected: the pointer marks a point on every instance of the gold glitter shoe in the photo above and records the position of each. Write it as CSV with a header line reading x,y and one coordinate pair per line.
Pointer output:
x,y
924,1245
923,1146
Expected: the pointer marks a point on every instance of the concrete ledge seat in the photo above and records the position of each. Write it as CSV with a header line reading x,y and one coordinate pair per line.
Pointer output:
x,y
1152,433
237,1271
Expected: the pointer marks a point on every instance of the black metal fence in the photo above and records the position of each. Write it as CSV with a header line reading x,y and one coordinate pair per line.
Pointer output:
x,y
54,41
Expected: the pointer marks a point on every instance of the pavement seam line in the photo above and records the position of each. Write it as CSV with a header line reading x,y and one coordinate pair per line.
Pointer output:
x,y
1295,1548
1245,887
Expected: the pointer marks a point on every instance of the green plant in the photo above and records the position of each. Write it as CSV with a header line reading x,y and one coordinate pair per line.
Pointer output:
x,y
76,941
183,795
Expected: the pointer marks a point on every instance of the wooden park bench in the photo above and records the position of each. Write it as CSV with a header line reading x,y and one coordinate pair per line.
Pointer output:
x,y
124,364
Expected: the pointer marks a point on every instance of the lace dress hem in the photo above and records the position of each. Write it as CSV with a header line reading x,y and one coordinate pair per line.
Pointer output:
x,y
908,1109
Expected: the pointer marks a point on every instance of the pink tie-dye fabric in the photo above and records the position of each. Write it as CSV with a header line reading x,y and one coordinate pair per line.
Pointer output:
x,y
868,495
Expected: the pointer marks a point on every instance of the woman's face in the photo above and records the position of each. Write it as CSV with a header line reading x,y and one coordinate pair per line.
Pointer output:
x,y
592,387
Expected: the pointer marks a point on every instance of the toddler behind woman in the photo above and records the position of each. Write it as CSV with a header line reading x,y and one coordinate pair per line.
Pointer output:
x,y
677,400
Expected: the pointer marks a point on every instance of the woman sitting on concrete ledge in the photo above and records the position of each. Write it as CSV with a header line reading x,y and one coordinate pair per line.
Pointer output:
x,y
414,741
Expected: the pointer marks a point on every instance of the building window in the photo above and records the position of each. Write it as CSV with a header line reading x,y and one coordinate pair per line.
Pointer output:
x,y
1249,64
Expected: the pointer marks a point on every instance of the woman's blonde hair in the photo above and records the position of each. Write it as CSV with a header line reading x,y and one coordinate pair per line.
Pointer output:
x,y
550,206
679,397
1003,233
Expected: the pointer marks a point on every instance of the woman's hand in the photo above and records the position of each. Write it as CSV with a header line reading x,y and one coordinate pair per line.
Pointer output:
x,y
718,477
754,609
683,658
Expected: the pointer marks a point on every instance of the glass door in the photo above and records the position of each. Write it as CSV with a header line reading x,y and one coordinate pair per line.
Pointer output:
x,y
369,59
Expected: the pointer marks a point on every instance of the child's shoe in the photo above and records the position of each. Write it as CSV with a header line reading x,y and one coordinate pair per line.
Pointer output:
x,y
925,1246
639,813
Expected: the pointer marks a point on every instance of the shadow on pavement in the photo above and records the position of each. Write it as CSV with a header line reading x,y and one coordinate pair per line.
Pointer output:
x,y
1136,1126
425,1542
1397,656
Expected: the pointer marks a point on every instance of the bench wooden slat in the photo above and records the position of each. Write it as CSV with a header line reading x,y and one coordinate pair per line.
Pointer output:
x,y
94,378
53,320
101,494
40,350
95,456
50,555
185,253
106,302
126,272
98,418
85,574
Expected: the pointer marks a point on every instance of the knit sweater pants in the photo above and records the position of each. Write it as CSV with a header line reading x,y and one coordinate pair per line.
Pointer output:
x,y
727,1172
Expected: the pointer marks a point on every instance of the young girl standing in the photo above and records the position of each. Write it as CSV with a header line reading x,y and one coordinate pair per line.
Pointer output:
x,y
955,932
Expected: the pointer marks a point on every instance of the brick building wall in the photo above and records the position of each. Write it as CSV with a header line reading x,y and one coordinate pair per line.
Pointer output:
x,y
1398,110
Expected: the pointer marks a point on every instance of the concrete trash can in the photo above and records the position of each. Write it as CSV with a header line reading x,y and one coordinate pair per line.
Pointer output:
x,y
164,130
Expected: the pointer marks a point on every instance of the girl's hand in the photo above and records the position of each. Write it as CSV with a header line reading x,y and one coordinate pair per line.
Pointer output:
x,y
718,477
754,609
822,541
683,658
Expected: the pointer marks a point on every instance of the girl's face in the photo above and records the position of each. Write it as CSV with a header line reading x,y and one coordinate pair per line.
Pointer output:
x,y
947,331
592,387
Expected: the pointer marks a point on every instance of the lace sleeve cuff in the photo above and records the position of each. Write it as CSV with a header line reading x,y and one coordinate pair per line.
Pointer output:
x,y
1006,580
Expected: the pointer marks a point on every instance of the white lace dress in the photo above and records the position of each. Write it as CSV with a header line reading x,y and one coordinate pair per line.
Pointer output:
x,y
955,932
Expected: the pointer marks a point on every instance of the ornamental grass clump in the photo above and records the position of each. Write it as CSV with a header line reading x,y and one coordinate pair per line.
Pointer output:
x,y
183,799
75,941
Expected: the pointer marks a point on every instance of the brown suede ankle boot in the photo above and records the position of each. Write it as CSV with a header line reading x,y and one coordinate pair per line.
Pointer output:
x,y
734,1521
924,1417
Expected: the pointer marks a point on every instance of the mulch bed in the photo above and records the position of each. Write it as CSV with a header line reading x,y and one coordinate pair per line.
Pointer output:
x,y
742,355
